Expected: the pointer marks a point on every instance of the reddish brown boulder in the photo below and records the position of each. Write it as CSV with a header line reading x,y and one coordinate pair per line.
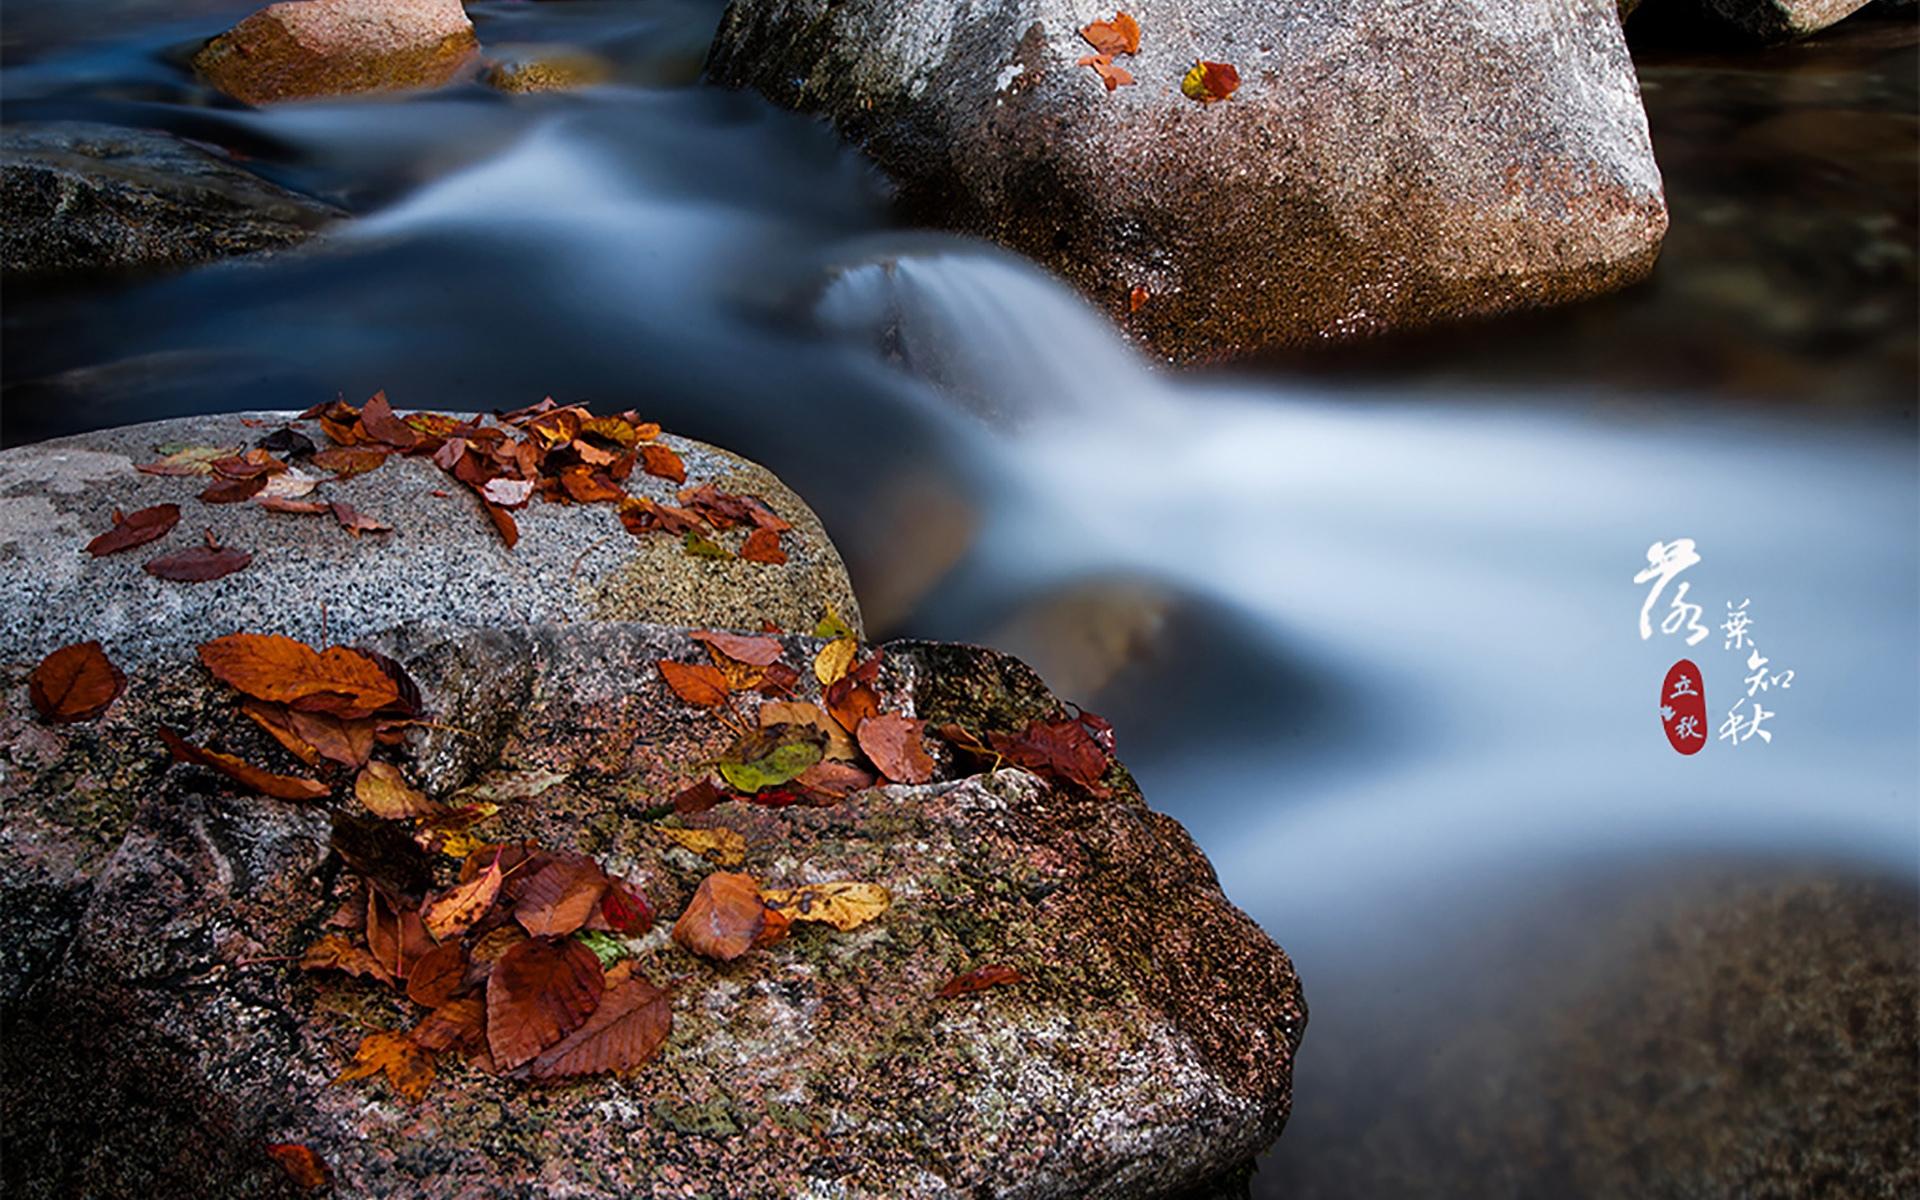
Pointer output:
x,y
305,48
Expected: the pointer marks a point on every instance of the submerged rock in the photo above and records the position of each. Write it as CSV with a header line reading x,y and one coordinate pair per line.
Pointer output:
x,y
1148,1050
83,197
1370,173
548,69
304,48
442,566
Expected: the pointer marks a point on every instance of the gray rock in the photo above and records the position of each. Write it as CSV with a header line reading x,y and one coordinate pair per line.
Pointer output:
x,y
304,48
1149,1049
1372,172
1783,20
443,566
84,197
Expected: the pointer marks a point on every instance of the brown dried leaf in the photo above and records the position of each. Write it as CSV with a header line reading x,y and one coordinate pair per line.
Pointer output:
x,y
800,712
347,461
992,975
743,648
695,683
356,522
763,546
136,528
894,744
561,896
1121,35
457,909
408,1066
723,918
337,739
458,1023
538,993
378,420
384,791
657,459
627,1030
302,1165
75,683
439,975
334,952
282,670
280,787
202,564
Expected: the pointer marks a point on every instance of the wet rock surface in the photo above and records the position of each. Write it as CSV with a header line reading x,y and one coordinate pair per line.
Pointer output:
x,y
83,197
1370,173
304,48
1149,1049
442,566
1782,20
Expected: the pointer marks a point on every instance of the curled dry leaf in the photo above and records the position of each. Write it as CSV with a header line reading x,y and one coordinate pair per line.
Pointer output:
x,y
337,739
136,528
407,1065
378,419
624,910
451,830
396,935
724,917
834,659
75,683
538,993
347,461
894,744
657,459
284,671
302,1165
695,683
1121,35
186,460
561,896
290,485
627,1030
457,909
1209,82
383,790
752,650
843,905
356,522
281,504
1071,749
721,847
224,490
334,952
280,787
1112,76
979,979
1137,298
697,797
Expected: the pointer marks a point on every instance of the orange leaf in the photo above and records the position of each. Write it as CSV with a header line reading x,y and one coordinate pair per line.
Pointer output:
x,y
893,742
280,787
657,459
408,1066
302,1165
347,742
627,1030
384,791
75,683
992,975
561,896
270,667
538,993
723,918
1208,82
135,529
456,910
696,684
763,545
1118,36
1109,74
334,952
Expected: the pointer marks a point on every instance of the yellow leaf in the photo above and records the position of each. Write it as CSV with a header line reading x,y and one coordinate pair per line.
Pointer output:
x,y
843,905
721,847
384,791
798,712
835,659
409,1069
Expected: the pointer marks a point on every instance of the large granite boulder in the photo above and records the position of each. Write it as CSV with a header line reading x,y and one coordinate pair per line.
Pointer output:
x,y
442,565
161,1046
83,197
304,48
1371,172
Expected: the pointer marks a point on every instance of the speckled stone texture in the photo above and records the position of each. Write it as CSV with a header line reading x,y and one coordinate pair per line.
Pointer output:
x,y
1149,1051
85,197
1783,20
1380,167
303,48
443,566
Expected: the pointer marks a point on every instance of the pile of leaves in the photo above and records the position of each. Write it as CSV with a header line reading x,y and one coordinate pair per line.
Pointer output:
x,y
1207,82
559,454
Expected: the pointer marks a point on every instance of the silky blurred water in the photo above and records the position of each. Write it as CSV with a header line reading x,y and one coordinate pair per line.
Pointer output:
x,y
1367,625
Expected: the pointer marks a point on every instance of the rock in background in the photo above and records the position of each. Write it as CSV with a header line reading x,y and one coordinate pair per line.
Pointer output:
x,y
302,48
1370,173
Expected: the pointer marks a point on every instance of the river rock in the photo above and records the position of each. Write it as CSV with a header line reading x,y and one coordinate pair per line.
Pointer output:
x,y
303,48
161,1047
442,566
1370,173
84,197
1782,20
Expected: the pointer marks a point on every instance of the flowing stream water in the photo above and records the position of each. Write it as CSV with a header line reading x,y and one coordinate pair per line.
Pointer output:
x,y
1365,623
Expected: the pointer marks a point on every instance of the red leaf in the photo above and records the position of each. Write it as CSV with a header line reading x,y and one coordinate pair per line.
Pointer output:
x,y
561,896
280,787
200,564
233,490
893,742
135,529
75,683
698,798
1062,749
992,975
625,910
538,993
696,684
763,545
754,651
627,1030
302,1165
